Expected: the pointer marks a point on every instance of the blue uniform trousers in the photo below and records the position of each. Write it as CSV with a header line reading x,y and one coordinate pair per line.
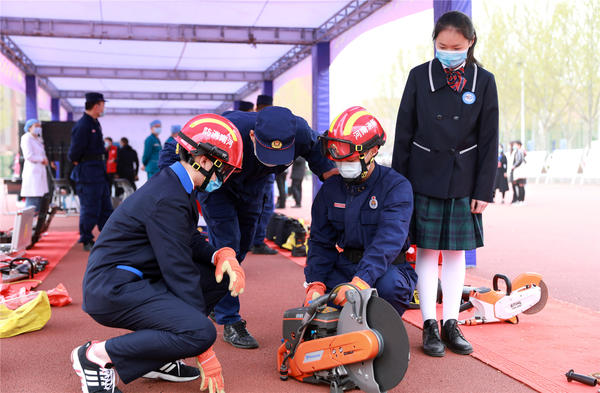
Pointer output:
x,y
165,328
396,286
231,223
95,208
268,207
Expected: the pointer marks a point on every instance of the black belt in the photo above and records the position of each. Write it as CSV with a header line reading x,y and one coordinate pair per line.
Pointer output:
x,y
92,157
354,255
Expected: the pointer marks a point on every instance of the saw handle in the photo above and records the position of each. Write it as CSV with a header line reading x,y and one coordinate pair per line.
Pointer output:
x,y
586,379
506,281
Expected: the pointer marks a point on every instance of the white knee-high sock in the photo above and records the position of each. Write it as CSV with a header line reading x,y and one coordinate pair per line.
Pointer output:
x,y
426,267
453,279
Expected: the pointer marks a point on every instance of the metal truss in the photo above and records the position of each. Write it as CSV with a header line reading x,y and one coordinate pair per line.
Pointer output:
x,y
349,16
159,96
149,73
156,31
20,59
151,111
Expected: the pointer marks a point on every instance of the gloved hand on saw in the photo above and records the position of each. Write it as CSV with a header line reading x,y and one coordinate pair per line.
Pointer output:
x,y
313,291
210,372
340,298
225,262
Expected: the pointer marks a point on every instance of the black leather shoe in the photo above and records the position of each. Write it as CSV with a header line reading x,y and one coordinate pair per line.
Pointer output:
x,y
263,249
432,344
454,339
237,335
88,245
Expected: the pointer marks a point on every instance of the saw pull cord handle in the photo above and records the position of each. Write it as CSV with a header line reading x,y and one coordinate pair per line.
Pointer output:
x,y
586,379
506,281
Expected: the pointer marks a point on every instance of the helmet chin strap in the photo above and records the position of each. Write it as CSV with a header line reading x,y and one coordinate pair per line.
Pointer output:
x,y
207,174
365,171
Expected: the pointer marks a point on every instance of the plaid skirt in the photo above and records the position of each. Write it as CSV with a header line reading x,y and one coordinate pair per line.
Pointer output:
x,y
445,224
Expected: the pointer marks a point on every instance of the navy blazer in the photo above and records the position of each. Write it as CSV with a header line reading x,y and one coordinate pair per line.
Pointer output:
x,y
153,231
444,145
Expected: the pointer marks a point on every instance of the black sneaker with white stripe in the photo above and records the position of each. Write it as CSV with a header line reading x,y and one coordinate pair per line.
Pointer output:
x,y
94,379
176,371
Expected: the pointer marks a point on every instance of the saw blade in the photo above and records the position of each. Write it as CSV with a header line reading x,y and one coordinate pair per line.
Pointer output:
x,y
392,364
542,302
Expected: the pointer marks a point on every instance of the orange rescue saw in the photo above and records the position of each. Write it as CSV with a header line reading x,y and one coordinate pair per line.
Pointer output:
x,y
363,345
526,294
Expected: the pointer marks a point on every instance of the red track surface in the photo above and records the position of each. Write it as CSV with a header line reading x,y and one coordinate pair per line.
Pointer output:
x,y
555,234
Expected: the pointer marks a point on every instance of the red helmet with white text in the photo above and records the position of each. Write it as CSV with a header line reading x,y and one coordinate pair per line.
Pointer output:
x,y
216,138
354,132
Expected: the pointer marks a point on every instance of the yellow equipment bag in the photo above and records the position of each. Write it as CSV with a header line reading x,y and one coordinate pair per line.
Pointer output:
x,y
29,317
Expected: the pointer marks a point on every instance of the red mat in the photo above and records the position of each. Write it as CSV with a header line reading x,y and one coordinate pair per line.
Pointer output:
x,y
301,261
541,348
52,246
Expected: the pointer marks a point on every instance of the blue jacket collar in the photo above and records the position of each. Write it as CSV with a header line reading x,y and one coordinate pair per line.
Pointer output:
x,y
183,176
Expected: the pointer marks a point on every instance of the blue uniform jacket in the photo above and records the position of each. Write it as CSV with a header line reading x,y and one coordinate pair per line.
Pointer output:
x,y
373,216
445,144
153,231
87,141
152,149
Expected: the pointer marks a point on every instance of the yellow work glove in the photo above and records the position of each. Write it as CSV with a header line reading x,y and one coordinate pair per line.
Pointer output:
x,y
340,298
225,262
210,372
313,291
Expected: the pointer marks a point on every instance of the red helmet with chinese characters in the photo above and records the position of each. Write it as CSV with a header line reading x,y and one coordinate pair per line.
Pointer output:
x,y
215,137
351,134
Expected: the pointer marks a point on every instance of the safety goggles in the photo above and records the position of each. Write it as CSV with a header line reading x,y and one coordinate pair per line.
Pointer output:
x,y
339,149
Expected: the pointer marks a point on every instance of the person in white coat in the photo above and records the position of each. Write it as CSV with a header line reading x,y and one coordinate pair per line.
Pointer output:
x,y
34,183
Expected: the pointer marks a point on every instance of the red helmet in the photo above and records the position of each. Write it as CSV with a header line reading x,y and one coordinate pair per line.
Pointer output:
x,y
215,137
352,134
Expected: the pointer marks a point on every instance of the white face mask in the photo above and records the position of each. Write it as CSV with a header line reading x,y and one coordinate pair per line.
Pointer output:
x,y
349,169
37,131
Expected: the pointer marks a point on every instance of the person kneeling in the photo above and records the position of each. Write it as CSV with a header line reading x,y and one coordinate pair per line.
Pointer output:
x,y
366,212
153,273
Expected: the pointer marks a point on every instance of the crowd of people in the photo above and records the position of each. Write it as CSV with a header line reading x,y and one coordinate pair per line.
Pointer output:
x,y
512,169
152,272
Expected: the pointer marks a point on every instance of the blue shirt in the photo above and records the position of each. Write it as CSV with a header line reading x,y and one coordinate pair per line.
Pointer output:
x,y
373,216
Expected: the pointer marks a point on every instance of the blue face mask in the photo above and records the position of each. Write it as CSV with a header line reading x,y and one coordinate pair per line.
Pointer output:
x,y
157,130
451,58
213,185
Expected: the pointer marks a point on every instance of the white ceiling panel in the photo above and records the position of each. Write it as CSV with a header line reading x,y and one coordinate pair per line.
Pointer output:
x,y
145,85
292,13
77,52
231,57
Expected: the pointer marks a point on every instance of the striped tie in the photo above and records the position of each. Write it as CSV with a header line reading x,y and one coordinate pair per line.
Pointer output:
x,y
456,79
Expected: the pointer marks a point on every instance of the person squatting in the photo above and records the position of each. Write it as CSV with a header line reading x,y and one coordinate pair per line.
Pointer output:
x,y
361,219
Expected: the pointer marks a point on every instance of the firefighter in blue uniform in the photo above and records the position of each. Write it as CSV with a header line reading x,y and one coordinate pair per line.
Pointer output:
x,y
272,138
153,273
366,212
87,153
152,149
258,244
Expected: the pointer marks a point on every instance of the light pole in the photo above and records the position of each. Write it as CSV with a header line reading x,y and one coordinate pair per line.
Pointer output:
x,y
522,106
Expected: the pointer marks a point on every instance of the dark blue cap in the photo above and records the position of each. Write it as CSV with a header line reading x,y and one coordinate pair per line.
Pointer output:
x,y
246,106
275,133
264,99
94,97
